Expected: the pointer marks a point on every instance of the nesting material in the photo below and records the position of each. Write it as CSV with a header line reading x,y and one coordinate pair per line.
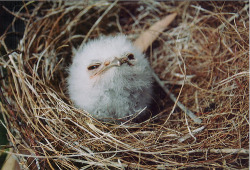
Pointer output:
x,y
202,58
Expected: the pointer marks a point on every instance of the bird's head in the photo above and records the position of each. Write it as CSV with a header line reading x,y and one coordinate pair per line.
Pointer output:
x,y
107,57
106,74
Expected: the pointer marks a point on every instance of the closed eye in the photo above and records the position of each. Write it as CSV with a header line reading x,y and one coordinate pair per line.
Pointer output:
x,y
93,67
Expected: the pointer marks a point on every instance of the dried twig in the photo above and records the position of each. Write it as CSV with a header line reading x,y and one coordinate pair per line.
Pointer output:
x,y
179,104
147,37
198,130
223,151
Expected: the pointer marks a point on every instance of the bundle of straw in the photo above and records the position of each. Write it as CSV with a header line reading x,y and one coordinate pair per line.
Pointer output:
x,y
202,58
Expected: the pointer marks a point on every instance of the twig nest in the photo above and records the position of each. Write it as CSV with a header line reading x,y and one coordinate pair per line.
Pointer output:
x,y
202,58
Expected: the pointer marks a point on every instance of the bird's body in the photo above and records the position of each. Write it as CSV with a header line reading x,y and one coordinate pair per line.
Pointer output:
x,y
110,78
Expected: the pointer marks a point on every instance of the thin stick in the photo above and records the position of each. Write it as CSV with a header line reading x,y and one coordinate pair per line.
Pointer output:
x,y
225,151
99,20
147,37
145,40
182,139
14,51
179,104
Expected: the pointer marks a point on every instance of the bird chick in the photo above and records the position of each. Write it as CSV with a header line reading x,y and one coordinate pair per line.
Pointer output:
x,y
110,78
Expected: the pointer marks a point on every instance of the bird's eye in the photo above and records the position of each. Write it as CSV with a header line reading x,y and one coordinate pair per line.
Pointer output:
x,y
131,56
93,67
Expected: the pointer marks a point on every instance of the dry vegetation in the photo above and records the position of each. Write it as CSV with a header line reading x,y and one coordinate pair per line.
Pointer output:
x,y
202,58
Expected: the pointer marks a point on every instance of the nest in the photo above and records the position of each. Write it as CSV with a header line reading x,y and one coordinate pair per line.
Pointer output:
x,y
202,58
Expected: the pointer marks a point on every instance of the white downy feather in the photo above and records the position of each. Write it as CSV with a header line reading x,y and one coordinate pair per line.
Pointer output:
x,y
118,91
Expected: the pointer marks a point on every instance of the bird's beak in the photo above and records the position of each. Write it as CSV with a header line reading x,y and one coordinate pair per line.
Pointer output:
x,y
117,62
120,61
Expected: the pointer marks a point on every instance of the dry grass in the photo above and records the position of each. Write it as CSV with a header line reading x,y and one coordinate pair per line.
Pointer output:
x,y
202,58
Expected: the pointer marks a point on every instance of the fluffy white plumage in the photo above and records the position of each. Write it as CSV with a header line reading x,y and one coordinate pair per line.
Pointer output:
x,y
110,78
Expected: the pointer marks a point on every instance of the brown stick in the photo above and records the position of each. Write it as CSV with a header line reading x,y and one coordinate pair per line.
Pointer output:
x,y
145,39
148,37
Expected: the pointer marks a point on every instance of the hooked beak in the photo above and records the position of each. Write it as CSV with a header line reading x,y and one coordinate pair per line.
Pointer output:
x,y
117,62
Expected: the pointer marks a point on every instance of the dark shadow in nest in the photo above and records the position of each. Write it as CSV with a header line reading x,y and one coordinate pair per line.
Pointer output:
x,y
160,100
14,32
